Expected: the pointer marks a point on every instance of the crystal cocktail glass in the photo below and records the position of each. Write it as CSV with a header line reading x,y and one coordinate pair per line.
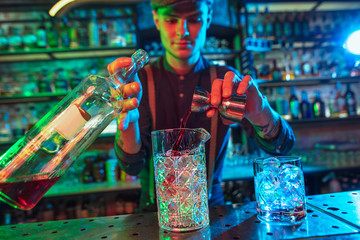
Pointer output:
x,y
180,177
280,190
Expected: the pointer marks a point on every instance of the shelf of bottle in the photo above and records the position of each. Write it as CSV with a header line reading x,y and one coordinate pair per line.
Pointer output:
x,y
38,97
64,53
66,190
307,81
336,120
220,55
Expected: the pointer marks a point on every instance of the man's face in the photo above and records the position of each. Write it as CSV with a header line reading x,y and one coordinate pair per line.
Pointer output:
x,y
183,28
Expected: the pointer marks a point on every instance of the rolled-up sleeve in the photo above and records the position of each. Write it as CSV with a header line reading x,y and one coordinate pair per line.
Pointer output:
x,y
132,164
279,145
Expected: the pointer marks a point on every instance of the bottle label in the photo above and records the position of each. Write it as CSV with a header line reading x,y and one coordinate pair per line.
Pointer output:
x,y
71,121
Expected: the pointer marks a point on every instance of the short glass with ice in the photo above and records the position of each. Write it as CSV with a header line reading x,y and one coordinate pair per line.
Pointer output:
x,y
280,190
180,177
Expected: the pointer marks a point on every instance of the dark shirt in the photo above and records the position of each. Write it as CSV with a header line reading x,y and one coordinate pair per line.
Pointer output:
x,y
173,98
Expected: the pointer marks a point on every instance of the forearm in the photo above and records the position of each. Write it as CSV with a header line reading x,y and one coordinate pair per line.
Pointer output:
x,y
267,122
273,134
128,150
129,140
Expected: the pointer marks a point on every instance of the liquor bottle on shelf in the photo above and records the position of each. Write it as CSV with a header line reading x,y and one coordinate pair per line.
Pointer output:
x,y
47,150
282,105
269,25
276,74
74,35
340,102
15,39
318,106
4,42
294,104
350,101
94,38
332,104
29,38
305,108
64,33
41,33
53,34
259,24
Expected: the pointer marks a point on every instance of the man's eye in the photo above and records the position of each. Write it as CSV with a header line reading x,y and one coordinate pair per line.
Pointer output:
x,y
171,20
195,20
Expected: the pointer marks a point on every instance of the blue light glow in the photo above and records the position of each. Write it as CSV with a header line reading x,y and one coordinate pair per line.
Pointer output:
x,y
352,43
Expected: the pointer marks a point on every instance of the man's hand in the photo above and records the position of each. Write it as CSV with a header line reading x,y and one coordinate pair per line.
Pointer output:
x,y
131,92
221,89
257,109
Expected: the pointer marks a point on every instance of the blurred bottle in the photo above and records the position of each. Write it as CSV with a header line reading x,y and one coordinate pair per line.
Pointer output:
x,y
276,74
340,101
104,40
332,104
318,106
15,39
61,81
5,128
41,33
298,26
30,39
278,27
305,108
259,24
75,78
74,35
64,33
53,33
294,104
93,30
99,171
44,82
18,123
4,42
83,34
350,101
288,26
282,105
88,176
269,25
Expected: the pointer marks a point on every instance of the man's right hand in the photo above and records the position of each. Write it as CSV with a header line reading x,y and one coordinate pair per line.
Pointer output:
x,y
132,94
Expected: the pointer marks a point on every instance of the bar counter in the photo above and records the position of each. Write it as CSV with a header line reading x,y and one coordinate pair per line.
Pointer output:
x,y
330,216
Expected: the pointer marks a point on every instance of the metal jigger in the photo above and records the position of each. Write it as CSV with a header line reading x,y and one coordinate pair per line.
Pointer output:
x,y
232,108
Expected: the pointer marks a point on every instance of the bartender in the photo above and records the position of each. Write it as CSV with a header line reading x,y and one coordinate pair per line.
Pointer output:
x,y
169,84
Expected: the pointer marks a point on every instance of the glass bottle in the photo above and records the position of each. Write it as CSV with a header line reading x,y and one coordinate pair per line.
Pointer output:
x,y
4,43
41,34
318,106
35,162
350,101
294,104
305,106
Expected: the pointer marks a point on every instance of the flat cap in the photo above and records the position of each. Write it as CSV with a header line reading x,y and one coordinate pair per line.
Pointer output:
x,y
155,4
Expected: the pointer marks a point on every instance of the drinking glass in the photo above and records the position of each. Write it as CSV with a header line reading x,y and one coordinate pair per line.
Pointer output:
x,y
280,189
180,177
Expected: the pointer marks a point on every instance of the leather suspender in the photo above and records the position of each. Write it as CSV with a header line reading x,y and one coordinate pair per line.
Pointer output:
x,y
213,132
151,93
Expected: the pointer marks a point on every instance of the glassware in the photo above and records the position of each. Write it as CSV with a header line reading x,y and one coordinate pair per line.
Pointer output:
x,y
232,108
280,190
37,160
180,177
